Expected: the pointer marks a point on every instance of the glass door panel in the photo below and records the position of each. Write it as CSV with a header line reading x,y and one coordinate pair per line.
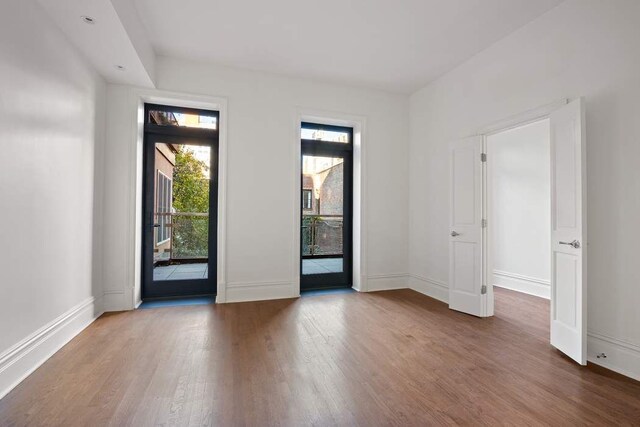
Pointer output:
x,y
181,212
322,215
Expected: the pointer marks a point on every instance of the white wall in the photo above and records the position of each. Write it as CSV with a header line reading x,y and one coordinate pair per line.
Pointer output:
x,y
262,115
520,213
585,48
51,133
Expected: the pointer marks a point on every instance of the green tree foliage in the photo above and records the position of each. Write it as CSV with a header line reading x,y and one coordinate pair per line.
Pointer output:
x,y
190,183
190,195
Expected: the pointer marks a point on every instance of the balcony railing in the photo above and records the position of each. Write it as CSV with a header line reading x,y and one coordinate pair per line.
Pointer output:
x,y
188,236
322,235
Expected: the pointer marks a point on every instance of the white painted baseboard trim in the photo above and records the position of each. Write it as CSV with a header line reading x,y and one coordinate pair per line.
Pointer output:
x,y
362,284
258,291
114,300
430,287
521,283
622,357
267,290
387,282
20,360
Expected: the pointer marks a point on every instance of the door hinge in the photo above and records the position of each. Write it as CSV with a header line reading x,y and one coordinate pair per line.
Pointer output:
x,y
483,157
483,289
484,223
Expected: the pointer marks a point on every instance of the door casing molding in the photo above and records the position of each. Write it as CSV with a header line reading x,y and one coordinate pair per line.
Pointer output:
x,y
138,97
522,119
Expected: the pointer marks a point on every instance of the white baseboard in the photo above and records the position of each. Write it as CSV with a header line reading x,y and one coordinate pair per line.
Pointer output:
x,y
19,361
362,284
430,287
622,357
114,301
387,282
258,291
525,284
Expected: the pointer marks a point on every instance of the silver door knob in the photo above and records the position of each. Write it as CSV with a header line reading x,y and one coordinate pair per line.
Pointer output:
x,y
575,244
454,234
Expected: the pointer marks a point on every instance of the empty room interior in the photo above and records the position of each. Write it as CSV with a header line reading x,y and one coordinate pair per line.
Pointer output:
x,y
319,213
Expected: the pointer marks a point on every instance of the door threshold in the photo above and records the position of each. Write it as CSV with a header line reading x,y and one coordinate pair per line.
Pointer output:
x,y
327,291
177,301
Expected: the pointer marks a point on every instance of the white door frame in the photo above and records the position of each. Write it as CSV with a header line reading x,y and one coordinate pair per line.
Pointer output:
x,y
531,116
358,123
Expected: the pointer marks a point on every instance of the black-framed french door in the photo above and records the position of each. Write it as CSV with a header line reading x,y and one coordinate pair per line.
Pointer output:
x,y
326,216
180,202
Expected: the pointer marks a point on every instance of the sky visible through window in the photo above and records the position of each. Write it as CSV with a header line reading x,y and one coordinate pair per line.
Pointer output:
x,y
197,121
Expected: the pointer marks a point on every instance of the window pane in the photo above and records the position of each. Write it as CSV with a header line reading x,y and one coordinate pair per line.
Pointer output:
x,y
306,199
325,135
169,118
163,207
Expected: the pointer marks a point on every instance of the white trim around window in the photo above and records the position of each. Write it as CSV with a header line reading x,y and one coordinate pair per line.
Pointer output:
x,y
138,97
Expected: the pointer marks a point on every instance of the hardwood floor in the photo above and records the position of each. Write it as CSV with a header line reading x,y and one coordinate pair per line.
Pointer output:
x,y
385,358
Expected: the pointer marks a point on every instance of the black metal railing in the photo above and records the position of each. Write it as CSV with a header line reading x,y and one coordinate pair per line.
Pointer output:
x,y
322,235
188,236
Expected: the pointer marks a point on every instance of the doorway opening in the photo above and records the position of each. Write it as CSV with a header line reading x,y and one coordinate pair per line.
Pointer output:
x,y
179,251
471,269
519,225
326,210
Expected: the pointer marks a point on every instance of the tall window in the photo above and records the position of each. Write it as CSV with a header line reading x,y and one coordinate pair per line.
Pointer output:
x,y
326,214
306,199
165,195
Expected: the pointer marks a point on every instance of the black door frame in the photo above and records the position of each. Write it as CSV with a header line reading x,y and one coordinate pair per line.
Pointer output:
x,y
312,147
153,134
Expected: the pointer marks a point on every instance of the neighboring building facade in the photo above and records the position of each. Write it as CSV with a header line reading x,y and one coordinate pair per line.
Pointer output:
x,y
323,192
322,205
332,191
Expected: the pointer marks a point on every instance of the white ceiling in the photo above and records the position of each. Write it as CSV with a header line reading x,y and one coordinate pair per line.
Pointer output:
x,y
396,45
111,41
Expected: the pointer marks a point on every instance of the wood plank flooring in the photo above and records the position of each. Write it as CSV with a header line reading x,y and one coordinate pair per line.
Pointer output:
x,y
384,358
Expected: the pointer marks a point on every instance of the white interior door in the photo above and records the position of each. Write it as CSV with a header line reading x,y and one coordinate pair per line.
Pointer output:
x,y
465,231
568,232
